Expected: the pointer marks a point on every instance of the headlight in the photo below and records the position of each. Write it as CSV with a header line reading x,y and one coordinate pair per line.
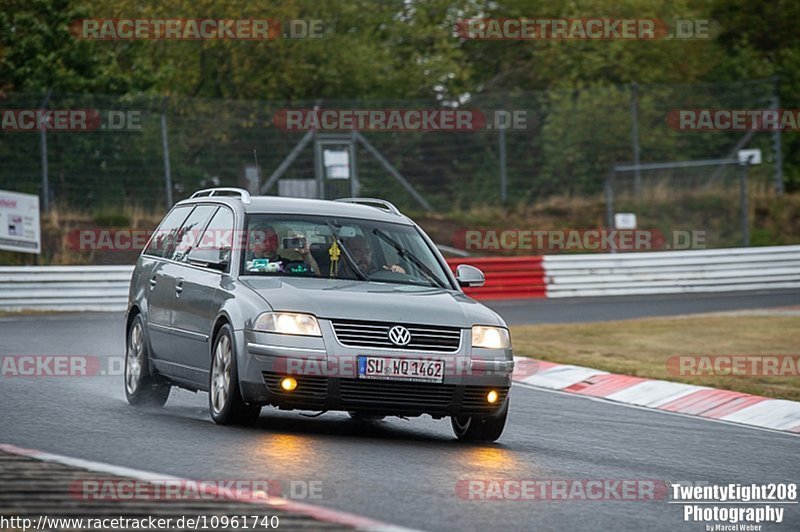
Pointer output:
x,y
490,337
288,323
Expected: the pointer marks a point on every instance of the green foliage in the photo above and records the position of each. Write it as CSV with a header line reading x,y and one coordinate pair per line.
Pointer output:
x,y
402,53
38,52
110,217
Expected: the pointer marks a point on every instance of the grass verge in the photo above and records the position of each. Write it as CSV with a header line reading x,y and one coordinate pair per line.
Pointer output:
x,y
642,347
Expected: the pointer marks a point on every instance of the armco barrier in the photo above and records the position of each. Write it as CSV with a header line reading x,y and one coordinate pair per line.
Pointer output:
x,y
105,288
506,277
671,272
64,288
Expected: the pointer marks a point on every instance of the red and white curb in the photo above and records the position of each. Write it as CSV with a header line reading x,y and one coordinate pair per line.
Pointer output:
x,y
701,401
318,513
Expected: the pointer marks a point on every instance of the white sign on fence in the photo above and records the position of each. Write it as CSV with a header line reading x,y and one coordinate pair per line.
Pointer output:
x,y
19,222
625,220
749,156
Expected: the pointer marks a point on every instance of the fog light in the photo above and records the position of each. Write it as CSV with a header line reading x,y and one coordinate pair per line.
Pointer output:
x,y
288,384
491,396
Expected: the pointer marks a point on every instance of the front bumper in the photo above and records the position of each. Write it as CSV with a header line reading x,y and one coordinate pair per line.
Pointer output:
x,y
327,379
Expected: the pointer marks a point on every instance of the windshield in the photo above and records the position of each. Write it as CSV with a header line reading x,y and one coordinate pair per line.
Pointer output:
x,y
340,248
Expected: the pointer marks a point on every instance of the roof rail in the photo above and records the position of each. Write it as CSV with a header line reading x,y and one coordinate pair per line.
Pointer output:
x,y
373,202
220,191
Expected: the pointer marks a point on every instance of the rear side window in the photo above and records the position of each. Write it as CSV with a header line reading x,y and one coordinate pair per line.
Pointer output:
x,y
165,234
188,235
219,234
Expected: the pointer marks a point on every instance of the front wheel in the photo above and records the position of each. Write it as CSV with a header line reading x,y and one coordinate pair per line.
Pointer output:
x,y
141,386
480,429
224,398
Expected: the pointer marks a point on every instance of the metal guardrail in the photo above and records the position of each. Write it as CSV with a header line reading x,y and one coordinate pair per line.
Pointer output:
x,y
672,272
105,288
64,288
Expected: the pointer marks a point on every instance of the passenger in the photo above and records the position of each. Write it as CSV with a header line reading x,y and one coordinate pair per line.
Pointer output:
x,y
266,257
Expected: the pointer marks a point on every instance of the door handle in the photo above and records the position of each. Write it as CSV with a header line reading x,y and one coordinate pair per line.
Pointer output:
x,y
178,286
153,282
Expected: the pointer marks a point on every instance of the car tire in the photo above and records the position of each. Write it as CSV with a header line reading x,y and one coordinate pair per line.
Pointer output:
x,y
480,429
361,416
224,397
142,386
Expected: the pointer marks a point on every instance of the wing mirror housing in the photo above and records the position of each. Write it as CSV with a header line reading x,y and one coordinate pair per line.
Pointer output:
x,y
467,275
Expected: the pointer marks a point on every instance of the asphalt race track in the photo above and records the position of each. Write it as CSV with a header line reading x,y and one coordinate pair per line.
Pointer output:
x,y
577,309
401,472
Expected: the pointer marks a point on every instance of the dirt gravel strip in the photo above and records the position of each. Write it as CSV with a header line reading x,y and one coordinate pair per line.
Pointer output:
x,y
35,484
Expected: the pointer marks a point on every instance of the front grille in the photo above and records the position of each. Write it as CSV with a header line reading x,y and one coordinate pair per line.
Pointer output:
x,y
392,394
310,387
376,334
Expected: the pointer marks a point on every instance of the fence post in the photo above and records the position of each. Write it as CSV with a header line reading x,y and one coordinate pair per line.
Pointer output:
x,y
43,155
165,147
637,186
743,203
776,138
503,177
609,191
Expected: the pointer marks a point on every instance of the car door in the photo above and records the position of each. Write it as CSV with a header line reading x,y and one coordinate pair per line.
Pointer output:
x,y
174,271
195,304
161,285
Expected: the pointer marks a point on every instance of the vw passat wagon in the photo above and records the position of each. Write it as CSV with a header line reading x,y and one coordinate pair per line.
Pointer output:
x,y
312,305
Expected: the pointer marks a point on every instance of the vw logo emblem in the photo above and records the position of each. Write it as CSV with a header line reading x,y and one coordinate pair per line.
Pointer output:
x,y
399,335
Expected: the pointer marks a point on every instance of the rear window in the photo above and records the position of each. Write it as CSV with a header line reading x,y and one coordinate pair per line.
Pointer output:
x,y
162,239
188,235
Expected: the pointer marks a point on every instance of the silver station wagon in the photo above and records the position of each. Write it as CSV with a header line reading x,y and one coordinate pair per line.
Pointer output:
x,y
312,305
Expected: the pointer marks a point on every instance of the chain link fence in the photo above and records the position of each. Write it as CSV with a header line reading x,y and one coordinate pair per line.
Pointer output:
x,y
146,152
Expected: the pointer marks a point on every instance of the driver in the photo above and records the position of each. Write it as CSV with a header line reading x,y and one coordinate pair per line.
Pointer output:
x,y
263,244
363,256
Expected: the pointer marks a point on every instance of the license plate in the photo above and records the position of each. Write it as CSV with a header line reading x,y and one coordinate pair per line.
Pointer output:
x,y
405,369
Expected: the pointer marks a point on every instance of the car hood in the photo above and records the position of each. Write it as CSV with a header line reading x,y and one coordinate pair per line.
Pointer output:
x,y
362,300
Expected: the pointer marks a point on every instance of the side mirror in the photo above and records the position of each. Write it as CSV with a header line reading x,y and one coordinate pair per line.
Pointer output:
x,y
467,275
216,259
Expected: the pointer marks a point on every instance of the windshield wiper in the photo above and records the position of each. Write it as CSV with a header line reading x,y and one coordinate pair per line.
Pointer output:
x,y
406,254
350,261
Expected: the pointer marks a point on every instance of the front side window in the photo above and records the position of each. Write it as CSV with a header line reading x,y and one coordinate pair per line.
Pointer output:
x,y
340,248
